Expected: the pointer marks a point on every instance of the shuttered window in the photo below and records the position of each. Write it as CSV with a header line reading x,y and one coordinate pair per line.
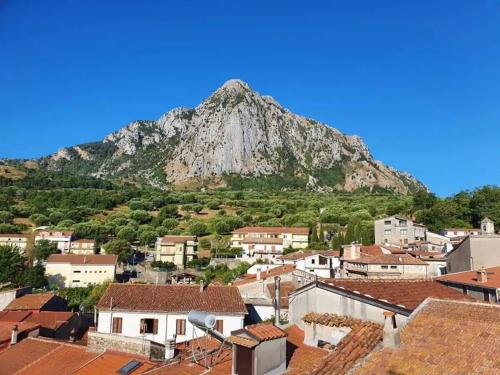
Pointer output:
x,y
117,325
180,326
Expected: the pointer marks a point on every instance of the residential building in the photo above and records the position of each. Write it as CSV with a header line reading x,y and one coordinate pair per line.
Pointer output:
x,y
435,260
61,238
435,242
294,237
386,266
474,252
483,284
13,332
71,270
366,299
9,295
456,235
176,249
443,337
324,264
38,302
159,312
19,241
261,248
82,247
398,231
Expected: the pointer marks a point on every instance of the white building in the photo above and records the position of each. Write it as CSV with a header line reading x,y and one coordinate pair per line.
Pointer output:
x,y
385,266
71,270
261,248
16,240
398,231
294,237
159,312
456,235
61,238
324,264
82,247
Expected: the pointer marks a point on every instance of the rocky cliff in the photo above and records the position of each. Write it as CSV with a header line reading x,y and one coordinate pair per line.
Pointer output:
x,y
235,135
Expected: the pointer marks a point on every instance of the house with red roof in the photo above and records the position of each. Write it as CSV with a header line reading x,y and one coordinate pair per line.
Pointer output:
x,y
159,312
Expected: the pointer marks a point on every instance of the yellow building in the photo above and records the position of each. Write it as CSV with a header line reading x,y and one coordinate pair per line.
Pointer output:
x,y
294,237
176,249
71,270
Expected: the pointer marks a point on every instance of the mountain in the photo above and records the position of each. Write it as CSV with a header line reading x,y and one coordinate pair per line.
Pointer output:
x,y
236,137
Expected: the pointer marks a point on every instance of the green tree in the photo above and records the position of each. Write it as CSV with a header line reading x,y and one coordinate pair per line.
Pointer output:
x,y
140,216
39,219
12,265
314,234
6,217
43,249
127,233
147,237
168,211
222,227
34,276
197,228
119,247
170,223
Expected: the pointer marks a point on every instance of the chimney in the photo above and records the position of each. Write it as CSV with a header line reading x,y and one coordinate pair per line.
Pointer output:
x,y
202,286
13,337
169,349
391,338
277,281
482,275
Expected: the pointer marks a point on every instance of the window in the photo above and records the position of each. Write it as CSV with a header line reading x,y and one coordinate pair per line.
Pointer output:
x,y
486,295
117,325
394,267
313,261
77,271
180,327
387,222
403,231
76,281
464,289
384,267
219,325
387,231
149,326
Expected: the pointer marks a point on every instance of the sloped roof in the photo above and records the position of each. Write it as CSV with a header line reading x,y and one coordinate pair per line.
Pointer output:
x,y
177,239
389,259
51,319
173,298
83,259
444,337
405,293
23,353
14,316
6,329
265,331
285,288
276,271
470,278
371,250
30,301
110,362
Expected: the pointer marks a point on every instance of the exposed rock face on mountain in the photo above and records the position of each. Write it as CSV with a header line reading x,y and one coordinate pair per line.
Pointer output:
x,y
234,135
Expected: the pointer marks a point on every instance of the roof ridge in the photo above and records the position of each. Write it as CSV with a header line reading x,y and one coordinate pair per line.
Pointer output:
x,y
40,358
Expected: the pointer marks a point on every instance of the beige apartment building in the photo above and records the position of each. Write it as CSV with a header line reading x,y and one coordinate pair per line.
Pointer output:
x,y
176,249
294,237
17,240
71,270
82,247
398,231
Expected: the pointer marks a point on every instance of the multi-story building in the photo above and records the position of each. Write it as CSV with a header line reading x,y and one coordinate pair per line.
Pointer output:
x,y
71,270
293,237
398,231
16,240
159,312
82,247
456,235
61,238
176,249
323,264
387,266
255,248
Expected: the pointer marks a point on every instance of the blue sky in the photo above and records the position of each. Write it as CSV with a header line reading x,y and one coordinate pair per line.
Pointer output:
x,y
419,81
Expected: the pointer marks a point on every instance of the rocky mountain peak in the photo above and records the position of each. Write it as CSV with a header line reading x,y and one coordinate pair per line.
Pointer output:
x,y
234,133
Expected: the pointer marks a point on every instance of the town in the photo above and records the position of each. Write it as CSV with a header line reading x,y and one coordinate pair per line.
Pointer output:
x,y
287,301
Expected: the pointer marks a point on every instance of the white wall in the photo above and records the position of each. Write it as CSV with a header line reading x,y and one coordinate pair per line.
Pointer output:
x,y
166,325
65,276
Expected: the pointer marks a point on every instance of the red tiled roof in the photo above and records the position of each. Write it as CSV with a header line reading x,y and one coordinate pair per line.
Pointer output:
x,y
30,301
82,241
14,316
243,341
67,233
173,298
273,230
83,259
266,331
470,278
22,327
276,271
13,235
301,358
444,337
110,362
177,239
389,259
23,353
51,319
371,250
406,293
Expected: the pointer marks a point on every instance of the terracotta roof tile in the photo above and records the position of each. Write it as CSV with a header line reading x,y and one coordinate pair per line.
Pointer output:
x,y
246,279
301,254
14,316
177,239
372,250
470,278
83,259
285,288
266,331
22,327
444,337
242,341
51,319
388,259
173,298
406,293
30,301
27,351
110,362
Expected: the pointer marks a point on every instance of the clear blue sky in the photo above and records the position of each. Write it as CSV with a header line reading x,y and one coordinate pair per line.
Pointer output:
x,y
419,81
